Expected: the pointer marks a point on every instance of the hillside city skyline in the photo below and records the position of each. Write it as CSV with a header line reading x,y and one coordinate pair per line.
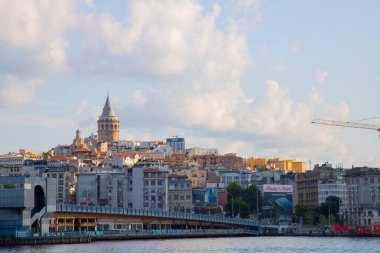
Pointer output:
x,y
244,76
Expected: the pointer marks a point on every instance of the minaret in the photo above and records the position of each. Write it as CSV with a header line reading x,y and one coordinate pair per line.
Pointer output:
x,y
108,123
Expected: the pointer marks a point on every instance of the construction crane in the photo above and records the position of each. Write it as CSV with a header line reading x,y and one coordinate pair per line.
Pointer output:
x,y
347,124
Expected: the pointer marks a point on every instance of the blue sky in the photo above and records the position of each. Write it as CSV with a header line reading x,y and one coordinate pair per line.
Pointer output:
x,y
244,76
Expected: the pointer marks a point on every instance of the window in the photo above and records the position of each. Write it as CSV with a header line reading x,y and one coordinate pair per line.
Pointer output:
x,y
152,182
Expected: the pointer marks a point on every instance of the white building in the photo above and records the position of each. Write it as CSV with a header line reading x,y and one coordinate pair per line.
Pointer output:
x,y
331,188
11,164
65,180
197,151
243,177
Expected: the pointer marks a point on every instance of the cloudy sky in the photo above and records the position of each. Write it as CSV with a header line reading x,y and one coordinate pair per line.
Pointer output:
x,y
244,76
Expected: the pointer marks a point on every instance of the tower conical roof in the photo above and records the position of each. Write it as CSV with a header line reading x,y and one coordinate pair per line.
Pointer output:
x,y
108,109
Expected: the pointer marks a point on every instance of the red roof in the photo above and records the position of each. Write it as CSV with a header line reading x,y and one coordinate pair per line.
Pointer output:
x,y
83,150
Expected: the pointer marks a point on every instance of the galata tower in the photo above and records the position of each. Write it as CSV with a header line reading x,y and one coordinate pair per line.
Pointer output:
x,y
108,124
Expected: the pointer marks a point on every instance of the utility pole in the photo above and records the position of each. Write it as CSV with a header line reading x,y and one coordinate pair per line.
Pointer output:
x,y
257,201
232,205
232,199
329,215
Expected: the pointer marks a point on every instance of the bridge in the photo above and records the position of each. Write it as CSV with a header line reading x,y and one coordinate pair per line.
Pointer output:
x,y
68,218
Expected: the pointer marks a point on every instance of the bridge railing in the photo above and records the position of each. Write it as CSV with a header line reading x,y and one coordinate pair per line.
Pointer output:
x,y
156,213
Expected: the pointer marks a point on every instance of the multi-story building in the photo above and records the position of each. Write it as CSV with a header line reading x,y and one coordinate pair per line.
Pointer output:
x,y
313,187
266,177
155,189
229,161
331,187
257,163
111,188
180,194
307,190
243,177
362,204
23,202
277,164
287,165
195,174
11,164
176,142
197,151
65,179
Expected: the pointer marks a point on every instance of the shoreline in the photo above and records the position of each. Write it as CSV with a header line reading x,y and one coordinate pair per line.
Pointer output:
x,y
54,240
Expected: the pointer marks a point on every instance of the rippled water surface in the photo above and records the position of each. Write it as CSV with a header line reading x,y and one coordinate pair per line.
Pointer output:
x,y
243,244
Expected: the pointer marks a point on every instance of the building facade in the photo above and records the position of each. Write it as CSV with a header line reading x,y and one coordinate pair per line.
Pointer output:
x,y
177,143
11,164
180,194
155,189
362,204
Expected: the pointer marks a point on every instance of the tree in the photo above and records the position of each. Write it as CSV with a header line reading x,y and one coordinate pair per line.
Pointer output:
x,y
250,195
240,207
234,190
330,208
301,211
46,155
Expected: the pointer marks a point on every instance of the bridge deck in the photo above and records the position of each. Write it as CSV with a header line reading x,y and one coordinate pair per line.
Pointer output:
x,y
158,214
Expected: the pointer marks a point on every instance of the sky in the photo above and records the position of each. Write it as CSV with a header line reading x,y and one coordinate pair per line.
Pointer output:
x,y
243,76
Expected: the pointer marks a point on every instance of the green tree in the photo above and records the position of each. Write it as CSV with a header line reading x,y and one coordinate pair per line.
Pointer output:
x,y
308,219
46,155
252,197
330,207
301,211
234,190
240,207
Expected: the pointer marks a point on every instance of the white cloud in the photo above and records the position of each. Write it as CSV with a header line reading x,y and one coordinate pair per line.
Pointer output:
x,y
87,113
321,76
35,120
37,29
16,92
193,65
